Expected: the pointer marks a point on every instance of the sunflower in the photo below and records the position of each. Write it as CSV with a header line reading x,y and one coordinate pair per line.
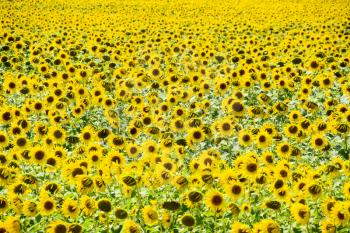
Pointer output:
x,y
47,205
104,205
266,85
245,138
95,157
178,125
180,182
319,141
115,159
149,147
3,139
263,140
267,158
58,134
100,182
13,225
291,130
87,205
150,215
116,141
278,184
214,200
346,190
282,194
340,215
4,228
237,108
4,205
188,220
87,134
301,213
327,206
166,219
282,171
295,116
250,167
225,127
70,208
195,135
120,214
235,190
51,188
75,228
267,225
132,149
284,149
167,145
30,208
16,204
301,185
57,226
238,227
38,155
320,126
21,142
328,226
18,188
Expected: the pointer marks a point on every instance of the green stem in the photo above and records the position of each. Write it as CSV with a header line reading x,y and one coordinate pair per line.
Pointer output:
x,y
107,220
214,227
346,143
139,204
249,191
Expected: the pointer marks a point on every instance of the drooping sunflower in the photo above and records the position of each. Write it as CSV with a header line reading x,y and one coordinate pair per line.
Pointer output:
x,y
120,214
75,228
104,205
188,220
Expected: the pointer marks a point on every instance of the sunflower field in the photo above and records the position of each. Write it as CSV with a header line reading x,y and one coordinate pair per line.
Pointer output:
x,y
174,116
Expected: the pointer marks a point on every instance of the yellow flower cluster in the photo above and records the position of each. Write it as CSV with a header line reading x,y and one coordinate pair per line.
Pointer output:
x,y
174,116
